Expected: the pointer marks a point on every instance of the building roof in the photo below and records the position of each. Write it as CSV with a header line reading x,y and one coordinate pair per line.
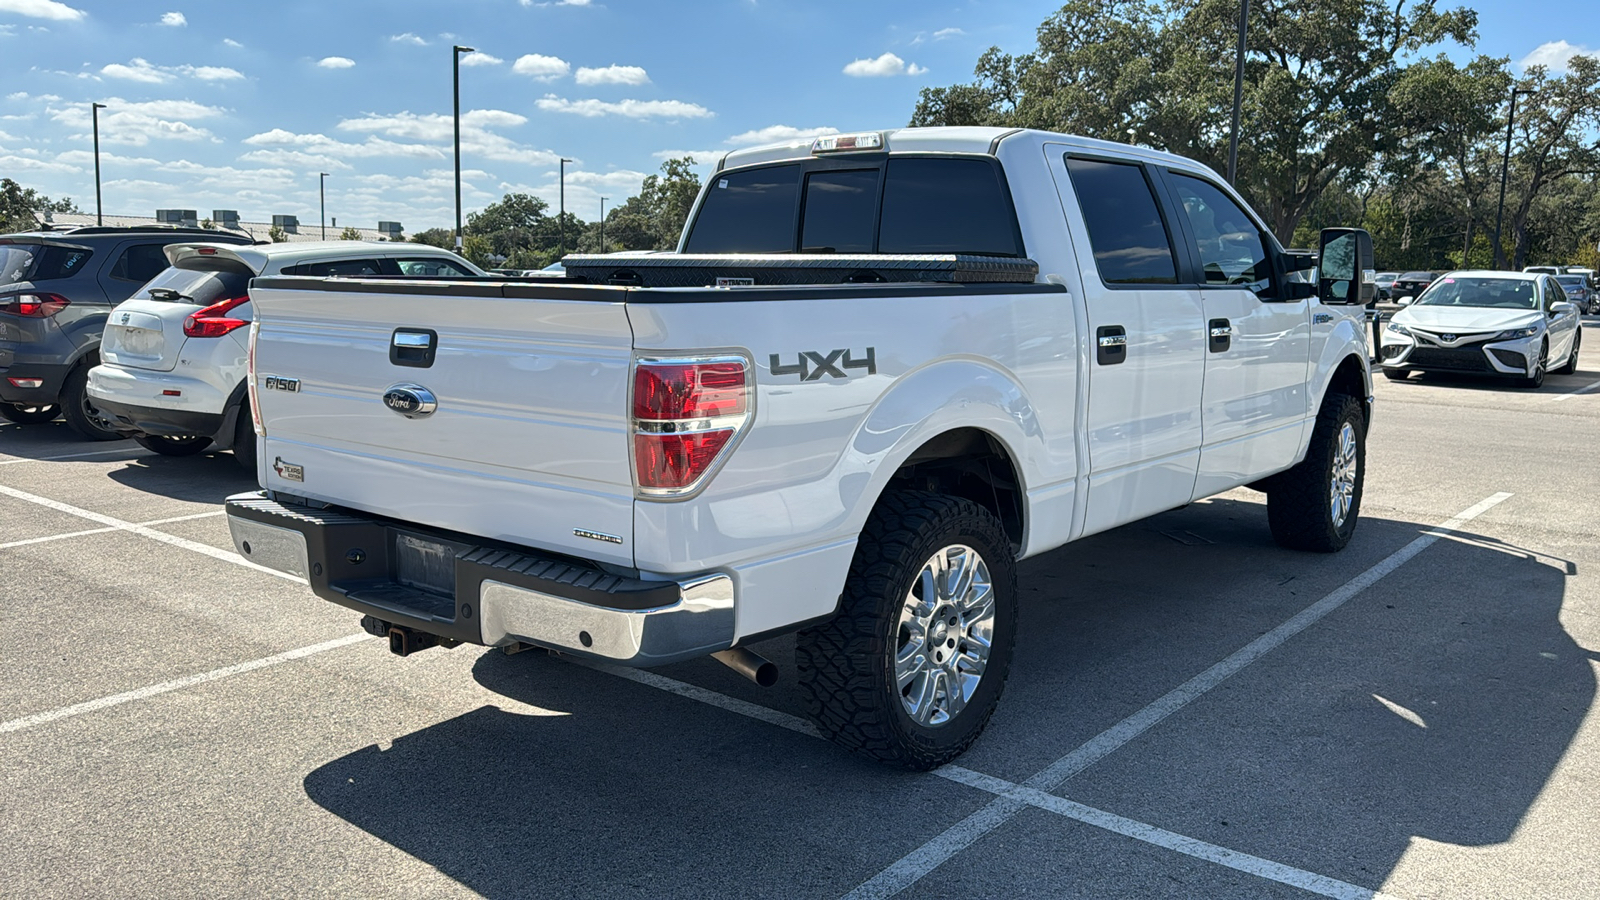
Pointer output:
x,y
256,230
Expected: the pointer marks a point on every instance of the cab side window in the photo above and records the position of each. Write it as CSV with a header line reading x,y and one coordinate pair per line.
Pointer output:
x,y
338,268
1130,241
439,268
1232,249
140,262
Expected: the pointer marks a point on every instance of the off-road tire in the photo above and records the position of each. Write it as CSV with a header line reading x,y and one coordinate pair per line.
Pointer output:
x,y
244,438
1571,365
846,666
76,408
1396,374
172,446
1299,507
28,413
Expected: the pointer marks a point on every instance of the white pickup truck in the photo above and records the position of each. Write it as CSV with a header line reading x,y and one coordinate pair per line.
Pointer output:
x,y
880,370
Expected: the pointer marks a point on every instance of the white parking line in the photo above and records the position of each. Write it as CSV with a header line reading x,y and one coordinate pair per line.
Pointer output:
x,y
1592,386
72,534
12,462
908,869
78,709
163,537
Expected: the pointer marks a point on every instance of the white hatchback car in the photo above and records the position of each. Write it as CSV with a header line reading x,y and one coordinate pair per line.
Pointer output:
x,y
1515,324
174,355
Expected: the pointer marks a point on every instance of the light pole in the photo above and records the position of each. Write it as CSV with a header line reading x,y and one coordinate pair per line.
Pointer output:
x,y
561,213
1238,92
603,223
322,202
455,65
94,112
1505,163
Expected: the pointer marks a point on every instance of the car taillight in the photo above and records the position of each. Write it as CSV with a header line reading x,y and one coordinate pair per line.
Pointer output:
x,y
250,381
687,414
33,305
214,321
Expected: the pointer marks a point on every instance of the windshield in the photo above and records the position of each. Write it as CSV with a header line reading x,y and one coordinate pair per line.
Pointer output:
x,y
1503,293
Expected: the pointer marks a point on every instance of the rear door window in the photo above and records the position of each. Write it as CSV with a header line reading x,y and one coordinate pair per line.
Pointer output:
x,y
337,268
839,212
748,212
140,262
947,206
1130,241
439,268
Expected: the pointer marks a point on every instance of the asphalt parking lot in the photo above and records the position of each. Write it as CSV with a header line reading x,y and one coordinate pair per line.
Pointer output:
x,y
1193,712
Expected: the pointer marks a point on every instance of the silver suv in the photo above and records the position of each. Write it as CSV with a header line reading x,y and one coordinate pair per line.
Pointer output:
x,y
56,289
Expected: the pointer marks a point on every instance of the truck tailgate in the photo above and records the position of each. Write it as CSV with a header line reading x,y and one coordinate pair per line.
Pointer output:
x,y
528,442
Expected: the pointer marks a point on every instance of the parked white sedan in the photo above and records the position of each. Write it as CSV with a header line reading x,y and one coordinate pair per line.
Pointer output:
x,y
1513,324
172,375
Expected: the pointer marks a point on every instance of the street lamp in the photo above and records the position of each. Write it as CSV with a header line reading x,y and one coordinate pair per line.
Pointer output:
x,y
94,112
603,223
322,202
1238,92
1505,163
455,65
561,214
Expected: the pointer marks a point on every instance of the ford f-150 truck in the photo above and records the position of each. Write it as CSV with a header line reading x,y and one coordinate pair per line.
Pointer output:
x,y
880,369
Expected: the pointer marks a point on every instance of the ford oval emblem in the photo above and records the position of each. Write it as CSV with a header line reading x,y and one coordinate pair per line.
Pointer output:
x,y
410,400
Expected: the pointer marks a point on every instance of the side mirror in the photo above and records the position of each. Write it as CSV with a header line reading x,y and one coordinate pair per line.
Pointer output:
x,y
1345,270
1405,301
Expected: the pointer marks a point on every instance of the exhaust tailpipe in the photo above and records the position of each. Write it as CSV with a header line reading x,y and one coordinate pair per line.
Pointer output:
x,y
753,666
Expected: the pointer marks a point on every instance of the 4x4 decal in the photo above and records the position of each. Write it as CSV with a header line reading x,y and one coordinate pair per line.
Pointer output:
x,y
813,365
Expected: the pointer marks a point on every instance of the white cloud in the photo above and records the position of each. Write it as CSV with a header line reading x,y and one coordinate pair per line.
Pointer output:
x,y
336,62
943,33
136,124
884,66
8,30
773,134
543,68
700,157
633,109
43,9
141,70
408,38
23,163
432,126
1554,55
17,95
232,43
212,73
174,19
431,133
612,75
479,58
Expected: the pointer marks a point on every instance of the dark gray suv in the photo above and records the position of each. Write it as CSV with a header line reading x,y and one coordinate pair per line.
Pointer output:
x,y
56,289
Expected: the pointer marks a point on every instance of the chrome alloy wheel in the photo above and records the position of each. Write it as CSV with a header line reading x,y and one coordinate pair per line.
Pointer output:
x,y
944,637
1342,486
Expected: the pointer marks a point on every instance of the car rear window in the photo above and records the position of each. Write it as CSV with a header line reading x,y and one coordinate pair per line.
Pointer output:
x,y
175,285
840,207
140,263
40,262
947,206
748,212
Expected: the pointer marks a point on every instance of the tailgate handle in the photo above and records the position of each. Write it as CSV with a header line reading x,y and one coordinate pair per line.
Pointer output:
x,y
413,347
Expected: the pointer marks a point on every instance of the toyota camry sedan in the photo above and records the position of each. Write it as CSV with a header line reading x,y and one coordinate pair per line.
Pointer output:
x,y
1510,324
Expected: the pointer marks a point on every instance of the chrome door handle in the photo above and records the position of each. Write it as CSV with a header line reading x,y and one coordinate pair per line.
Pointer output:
x,y
1221,332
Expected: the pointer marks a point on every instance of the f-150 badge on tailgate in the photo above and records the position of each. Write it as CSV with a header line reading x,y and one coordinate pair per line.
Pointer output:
x,y
813,365
279,383
410,400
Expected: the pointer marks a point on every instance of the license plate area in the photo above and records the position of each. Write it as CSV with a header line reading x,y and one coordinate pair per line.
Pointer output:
x,y
423,563
140,341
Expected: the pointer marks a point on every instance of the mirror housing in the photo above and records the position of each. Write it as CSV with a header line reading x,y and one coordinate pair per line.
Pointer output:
x,y
1345,268
1406,300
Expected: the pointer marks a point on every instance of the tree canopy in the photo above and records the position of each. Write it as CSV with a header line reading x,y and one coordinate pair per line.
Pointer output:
x,y
20,207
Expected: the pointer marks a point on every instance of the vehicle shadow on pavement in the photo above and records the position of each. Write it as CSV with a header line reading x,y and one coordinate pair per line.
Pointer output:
x,y
1313,757
56,439
204,478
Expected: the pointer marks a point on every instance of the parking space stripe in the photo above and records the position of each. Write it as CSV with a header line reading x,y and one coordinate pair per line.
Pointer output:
x,y
165,687
72,534
145,531
28,459
1593,386
912,867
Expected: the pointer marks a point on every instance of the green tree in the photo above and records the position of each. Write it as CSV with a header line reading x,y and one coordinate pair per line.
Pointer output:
x,y
278,235
1557,134
667,199
350,233
436,237
208,225
20,207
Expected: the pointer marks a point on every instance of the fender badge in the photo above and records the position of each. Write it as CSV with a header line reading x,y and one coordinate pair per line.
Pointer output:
x,y
288,471
597,535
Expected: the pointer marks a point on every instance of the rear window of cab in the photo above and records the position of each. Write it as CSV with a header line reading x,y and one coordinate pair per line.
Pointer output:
x,y
905,205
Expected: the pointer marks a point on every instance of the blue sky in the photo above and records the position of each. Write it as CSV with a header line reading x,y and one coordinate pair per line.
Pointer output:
x,y
238,105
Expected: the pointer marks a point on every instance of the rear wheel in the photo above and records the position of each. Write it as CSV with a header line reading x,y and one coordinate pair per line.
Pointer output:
x,y
244,439
913,665
172,446
79,411
1314,506
1571,365
28,413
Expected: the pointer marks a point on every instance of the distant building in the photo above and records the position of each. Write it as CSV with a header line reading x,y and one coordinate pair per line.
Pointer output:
x,y
226,220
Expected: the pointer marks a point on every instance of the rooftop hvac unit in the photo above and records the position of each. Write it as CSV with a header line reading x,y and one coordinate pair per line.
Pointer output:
x,y
188,217
290,224
225,218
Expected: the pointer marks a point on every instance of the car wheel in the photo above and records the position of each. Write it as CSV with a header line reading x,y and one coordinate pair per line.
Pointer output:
x,y
172,446
1535,379
1571,365
1396,374
28,413
1314,506
913,665
79,411
244,439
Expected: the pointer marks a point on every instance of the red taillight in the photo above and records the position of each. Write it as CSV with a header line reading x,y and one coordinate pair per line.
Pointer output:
x,y
686,413
33,306
214,321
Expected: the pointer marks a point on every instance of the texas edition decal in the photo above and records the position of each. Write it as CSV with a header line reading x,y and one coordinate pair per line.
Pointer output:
x,y
813,365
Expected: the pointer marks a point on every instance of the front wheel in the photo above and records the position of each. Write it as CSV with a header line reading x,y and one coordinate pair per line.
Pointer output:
x,y
912,667
1314,506
172,446
1535,378
28,413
